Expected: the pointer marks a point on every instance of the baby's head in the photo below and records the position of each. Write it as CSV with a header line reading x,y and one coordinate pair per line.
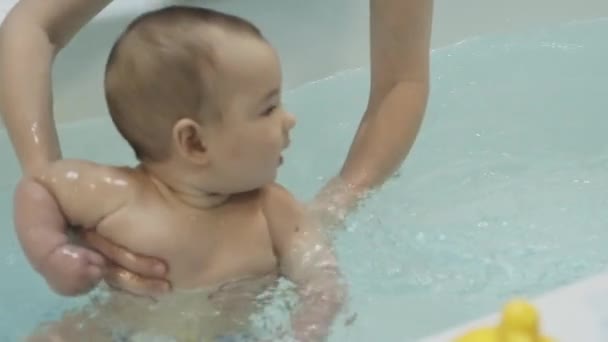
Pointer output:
x,y
200,92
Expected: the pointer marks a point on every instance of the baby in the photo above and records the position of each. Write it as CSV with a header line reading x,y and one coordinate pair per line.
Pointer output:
x,y
197,94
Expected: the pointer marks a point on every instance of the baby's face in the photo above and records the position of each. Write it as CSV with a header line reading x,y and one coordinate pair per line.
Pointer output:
x,y
245,148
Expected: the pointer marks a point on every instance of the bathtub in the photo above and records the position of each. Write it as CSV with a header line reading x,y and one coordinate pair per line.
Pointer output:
x,y
314,43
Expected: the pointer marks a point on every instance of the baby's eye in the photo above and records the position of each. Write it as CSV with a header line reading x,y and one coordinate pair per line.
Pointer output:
x,y
269,110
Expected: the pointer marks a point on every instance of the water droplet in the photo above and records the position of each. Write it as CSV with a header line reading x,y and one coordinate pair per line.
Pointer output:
x,y
420,236
396,270
482,224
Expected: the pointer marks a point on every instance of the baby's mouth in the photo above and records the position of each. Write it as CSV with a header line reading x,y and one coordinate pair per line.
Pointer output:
x,y
280,160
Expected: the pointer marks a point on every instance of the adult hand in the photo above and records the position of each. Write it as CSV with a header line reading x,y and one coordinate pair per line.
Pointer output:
x,y
127,271
68,269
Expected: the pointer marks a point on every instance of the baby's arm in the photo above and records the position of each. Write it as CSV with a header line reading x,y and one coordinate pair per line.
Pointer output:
x,y
307,259
79,192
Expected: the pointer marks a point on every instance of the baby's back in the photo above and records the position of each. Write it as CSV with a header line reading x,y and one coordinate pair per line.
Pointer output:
x,y
202,247
219,260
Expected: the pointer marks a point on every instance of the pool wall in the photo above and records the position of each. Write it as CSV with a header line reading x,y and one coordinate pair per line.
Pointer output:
x,y
315,38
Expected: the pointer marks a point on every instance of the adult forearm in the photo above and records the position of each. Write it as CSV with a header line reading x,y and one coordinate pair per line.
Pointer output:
x,y
385,135
26,57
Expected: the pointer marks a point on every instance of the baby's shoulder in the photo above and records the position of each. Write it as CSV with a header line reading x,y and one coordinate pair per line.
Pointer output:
x,y
274,192
78,168
279,205
277,200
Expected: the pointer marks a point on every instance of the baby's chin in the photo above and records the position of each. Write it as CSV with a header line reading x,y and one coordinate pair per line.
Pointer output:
x,y
255,185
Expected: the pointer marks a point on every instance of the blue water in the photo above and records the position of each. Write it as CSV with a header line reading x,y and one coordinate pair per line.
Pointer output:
x,y
504,192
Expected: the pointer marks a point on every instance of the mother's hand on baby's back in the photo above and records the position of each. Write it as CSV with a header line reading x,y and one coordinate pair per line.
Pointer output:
x,y
137,274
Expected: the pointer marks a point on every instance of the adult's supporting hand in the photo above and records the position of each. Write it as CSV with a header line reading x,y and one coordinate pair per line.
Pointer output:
x,y
67,268
137,274
71,269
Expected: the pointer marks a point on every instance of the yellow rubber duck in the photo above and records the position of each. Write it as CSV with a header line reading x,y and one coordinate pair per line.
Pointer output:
x,y
520,323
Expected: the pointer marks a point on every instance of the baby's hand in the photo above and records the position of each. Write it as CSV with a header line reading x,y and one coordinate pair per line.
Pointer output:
x,y
71,270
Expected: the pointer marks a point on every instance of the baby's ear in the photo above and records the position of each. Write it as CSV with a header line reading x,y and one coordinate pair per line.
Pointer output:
x,y
188,141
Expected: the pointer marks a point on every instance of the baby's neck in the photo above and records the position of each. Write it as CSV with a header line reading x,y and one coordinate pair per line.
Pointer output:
x,y
176,186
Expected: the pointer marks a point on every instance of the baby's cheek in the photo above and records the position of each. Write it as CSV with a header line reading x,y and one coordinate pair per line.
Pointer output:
x,y
275,138
236,149
235,152
244,151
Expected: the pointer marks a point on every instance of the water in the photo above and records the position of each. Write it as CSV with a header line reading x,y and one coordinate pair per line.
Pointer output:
x,y
504,192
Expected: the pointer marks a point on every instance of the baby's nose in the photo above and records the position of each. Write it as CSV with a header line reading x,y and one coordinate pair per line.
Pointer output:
x,y
290,121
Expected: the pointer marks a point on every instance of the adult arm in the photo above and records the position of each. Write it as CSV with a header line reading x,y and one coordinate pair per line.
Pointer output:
x,y
31,36
400,32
